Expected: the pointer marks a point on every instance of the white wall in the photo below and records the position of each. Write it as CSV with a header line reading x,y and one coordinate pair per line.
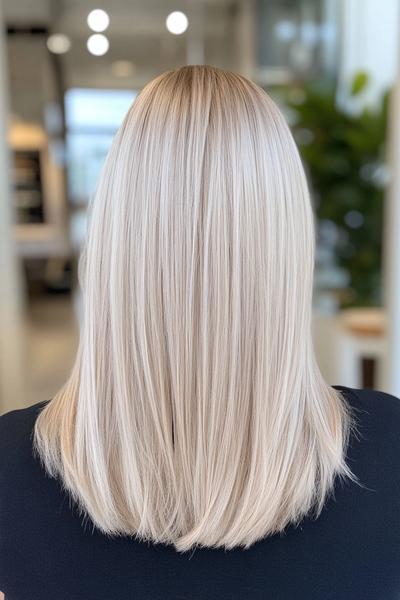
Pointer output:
x,y
11,347
370,42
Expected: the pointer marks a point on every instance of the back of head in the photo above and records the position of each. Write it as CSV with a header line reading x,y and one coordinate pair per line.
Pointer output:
x,y
196,413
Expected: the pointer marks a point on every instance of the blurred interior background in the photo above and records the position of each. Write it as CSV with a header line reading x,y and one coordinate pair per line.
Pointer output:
x,y
70,69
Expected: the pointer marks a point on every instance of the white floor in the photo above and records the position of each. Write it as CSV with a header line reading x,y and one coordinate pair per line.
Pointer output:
x,y
51,343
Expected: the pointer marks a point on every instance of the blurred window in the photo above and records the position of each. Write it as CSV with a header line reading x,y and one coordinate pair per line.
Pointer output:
x,y
297,37
92,119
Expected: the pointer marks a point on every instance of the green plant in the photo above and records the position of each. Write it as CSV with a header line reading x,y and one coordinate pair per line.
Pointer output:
x,y
343,153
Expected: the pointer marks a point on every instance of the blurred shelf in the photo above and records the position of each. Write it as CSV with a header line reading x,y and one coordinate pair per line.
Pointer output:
x,y
41,241
365,321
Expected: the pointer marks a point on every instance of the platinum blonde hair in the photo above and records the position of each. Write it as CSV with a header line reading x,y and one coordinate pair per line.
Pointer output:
x,y
196,414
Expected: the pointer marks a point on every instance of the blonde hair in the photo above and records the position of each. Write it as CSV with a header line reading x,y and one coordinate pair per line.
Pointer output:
x,y
196,414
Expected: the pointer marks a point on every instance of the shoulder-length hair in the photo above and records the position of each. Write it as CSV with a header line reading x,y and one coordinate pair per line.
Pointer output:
x,y
196,414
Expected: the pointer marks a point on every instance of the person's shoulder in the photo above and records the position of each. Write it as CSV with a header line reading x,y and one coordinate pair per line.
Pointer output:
x,y
370,402
16,434
376,417
19,421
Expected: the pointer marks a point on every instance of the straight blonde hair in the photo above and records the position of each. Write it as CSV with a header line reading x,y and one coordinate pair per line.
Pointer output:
x,y
196,414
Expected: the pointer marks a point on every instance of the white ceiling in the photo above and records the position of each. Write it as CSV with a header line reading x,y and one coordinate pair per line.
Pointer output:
x,y
127,16
137,33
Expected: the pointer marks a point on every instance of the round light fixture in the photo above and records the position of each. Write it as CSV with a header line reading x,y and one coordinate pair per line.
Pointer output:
x,y
98,20
98,44
58,43
177,22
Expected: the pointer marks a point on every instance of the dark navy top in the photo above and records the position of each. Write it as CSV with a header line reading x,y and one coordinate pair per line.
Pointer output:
x,y
351,552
